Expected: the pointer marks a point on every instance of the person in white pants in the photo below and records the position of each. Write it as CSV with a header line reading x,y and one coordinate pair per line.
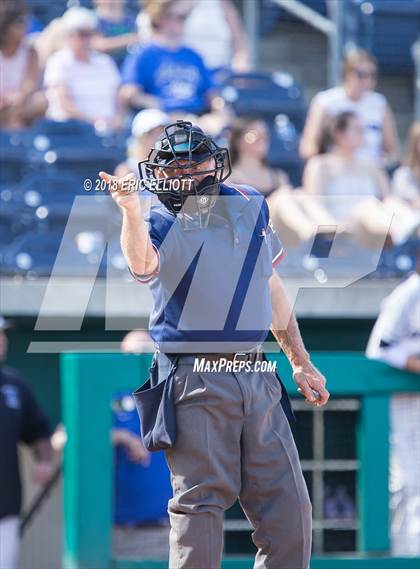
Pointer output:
x,y
9,542
395,339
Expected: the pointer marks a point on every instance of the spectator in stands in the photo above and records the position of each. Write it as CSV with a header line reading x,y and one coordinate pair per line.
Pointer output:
x,y
356,94
145,129
354,191
215,30
116,29
164,73
249,145
406,180
129,441
21,100
82,83
395,340
21,421
142,490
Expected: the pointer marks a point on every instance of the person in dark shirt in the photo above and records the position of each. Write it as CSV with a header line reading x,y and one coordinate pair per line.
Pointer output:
x,y
21,421
116,29
164,73
142,479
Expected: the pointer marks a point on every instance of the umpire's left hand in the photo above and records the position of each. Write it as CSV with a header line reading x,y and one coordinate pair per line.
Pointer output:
x,y
311,384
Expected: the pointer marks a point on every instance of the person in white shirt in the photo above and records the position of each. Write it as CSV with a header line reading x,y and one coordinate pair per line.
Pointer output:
x,y
356,94
82,83
215,30
406,179
354,191
21,100
395,340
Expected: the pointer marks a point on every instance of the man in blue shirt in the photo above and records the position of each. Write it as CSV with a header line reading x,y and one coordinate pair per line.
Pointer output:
x,y
139,475
164,73
208,253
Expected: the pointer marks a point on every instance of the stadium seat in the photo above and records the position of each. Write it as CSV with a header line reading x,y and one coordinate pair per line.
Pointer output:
x,y
44,189
13,159
74,146
13,221
395,29
399,260
35,255
46,11
266,95
284,148
46,199
57,128
386,28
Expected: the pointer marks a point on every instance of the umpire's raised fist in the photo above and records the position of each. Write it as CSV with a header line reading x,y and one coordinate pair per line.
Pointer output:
x,y
124,191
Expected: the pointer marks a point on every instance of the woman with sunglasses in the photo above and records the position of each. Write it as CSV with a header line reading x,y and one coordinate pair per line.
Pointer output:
x,y
356,94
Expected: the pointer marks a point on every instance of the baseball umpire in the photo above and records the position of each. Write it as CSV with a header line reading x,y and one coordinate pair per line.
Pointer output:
x,y
208,252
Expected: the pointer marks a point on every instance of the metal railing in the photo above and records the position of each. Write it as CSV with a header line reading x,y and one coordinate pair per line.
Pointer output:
x,y
331,27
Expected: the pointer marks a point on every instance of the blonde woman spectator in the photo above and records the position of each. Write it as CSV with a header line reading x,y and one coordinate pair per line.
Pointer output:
x,y
21,100
355,192
145,129
406,180
356,94
215,30
82,83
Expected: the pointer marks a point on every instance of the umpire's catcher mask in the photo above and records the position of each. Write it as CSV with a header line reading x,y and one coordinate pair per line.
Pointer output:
x,y
185,169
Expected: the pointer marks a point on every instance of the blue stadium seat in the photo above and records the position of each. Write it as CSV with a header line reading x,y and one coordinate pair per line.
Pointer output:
x,y
386,28
39,193
399,260
396,28
35,254
265,95
13,156
284,148
45,10
13,221
82,254
74,146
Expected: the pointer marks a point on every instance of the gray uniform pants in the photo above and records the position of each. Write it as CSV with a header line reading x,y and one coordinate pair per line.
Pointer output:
x,y
234,441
